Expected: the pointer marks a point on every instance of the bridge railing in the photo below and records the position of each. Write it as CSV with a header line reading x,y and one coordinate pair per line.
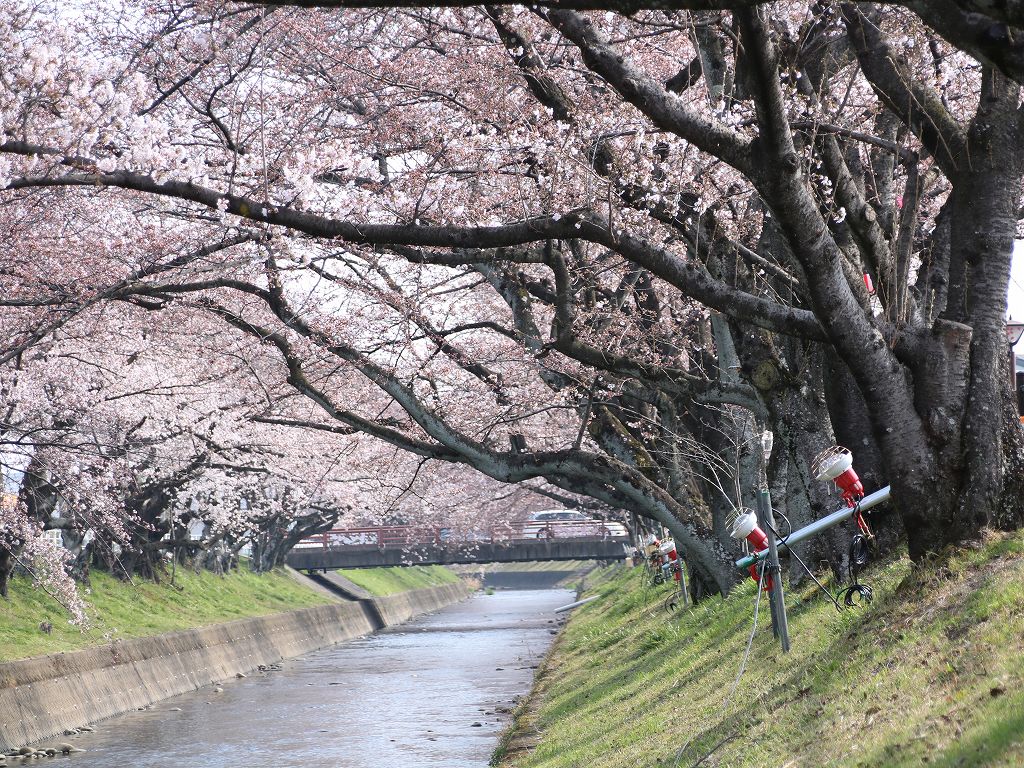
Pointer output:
x,y
405,536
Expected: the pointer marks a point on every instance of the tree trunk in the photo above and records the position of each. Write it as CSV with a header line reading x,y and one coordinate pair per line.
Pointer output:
x,y
81,553
6,569
967,411
790,378
851,422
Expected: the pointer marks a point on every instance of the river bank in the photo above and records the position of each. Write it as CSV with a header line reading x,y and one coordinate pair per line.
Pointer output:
x,y
43,696
381,582
927,674
118,610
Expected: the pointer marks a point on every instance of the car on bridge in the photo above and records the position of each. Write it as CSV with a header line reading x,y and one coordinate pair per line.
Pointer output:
x,y
566,523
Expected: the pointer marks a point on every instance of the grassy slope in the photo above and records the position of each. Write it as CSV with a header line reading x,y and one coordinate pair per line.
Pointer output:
x,y
929,673
120,610
388,581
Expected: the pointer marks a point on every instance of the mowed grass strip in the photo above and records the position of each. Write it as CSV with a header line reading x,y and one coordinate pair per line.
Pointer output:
x,y
927,674
381,582
119,610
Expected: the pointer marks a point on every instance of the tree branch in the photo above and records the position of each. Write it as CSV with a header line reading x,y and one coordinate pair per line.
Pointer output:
x,y
663,107
918,106
578,224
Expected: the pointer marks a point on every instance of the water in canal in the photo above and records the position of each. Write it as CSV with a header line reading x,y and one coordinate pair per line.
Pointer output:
x,y
434,692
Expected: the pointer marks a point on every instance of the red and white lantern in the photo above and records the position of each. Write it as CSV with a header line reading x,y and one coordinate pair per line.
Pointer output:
x,y
744,526
835,465
668,548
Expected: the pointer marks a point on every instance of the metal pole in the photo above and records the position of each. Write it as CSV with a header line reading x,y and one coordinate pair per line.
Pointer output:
x,y
818,526
780,624
682,583
577,604
762,521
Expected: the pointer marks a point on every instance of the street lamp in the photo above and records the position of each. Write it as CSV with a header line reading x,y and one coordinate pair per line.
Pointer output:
x,y
1014,330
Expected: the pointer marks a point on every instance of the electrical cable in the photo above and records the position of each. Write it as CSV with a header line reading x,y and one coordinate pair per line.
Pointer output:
x,y
811,574
859,556
750,641
783,540
743,664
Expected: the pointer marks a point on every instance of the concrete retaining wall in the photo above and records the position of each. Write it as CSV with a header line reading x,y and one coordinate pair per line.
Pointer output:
x,y
43,696
396,609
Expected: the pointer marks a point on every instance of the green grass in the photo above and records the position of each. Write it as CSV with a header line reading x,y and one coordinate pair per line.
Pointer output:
x,y
389,581
927,674
119,610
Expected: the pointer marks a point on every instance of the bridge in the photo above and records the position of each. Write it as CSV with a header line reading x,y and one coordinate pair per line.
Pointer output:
x,y
374,547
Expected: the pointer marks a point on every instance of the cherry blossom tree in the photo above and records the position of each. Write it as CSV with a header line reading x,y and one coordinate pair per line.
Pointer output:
x,y
127,450
597,250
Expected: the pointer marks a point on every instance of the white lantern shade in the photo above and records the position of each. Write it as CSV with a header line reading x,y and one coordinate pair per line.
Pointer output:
x,y
831,464
743,525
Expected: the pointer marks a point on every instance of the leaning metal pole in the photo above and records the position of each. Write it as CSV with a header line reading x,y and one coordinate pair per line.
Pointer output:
x,y
779,621
818,526
762,521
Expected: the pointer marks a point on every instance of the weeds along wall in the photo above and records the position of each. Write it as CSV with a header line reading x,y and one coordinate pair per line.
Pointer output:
x,y
43,696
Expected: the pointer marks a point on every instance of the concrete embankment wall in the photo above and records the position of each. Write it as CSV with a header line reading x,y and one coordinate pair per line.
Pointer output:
x,y
43,696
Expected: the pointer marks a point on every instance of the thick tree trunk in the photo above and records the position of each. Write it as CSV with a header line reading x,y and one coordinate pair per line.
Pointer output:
x,y
279,533
790,380
965,404
216,557
268,548
852,424
6,569
81,553
985,229
1010,511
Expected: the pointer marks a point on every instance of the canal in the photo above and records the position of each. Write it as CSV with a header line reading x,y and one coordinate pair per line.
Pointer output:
x,y
434,692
